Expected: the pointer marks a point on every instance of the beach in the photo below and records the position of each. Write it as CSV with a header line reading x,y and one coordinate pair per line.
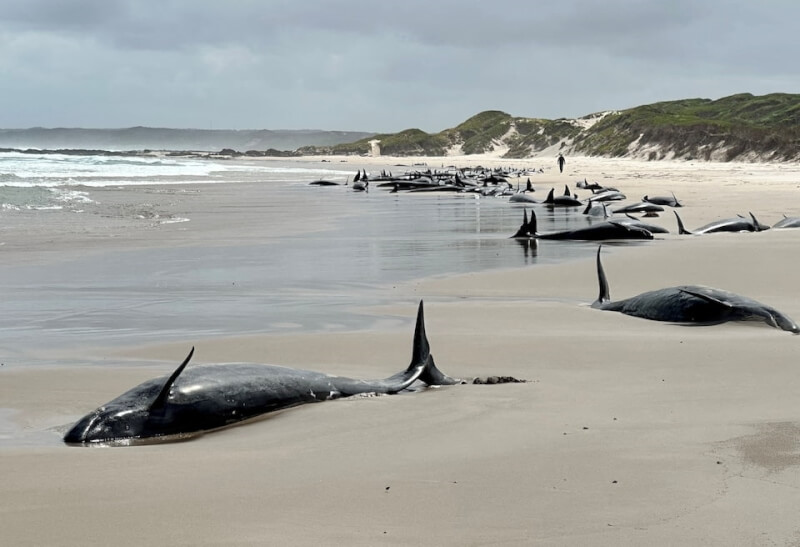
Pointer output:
x,y
627,431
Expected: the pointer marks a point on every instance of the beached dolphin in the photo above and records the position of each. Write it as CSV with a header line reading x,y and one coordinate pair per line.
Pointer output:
x,y
736,224
197,399
788,222
522,197
586,185
691,304
596,232
562,201
650,209
633,221
608,195
663,200
596,209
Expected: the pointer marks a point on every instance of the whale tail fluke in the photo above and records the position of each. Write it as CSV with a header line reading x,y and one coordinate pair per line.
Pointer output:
x,y
604,295
681,229
435,377
422,356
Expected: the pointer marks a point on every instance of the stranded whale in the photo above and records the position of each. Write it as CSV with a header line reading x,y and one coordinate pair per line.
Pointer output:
x,y
691,304
205,397
601,231
736,224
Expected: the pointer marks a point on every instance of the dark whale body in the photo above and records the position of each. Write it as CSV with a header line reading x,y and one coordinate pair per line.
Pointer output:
x,y
670,201
641,207
633,221
206,397
788,222
565,200
691,304
736,224
606,230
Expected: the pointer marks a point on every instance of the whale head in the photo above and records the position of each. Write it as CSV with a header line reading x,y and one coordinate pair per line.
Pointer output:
x,y
140,413
111,423
785,322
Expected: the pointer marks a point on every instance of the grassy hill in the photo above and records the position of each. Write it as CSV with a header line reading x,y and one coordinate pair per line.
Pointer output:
x,y
739,127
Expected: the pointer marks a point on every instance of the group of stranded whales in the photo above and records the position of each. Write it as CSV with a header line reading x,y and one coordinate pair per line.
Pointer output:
x,y
202,398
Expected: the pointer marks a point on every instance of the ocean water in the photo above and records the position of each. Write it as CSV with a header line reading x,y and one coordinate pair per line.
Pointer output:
x,y
301,283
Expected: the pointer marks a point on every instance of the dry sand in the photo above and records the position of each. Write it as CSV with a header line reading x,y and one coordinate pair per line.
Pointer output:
x,y
629,432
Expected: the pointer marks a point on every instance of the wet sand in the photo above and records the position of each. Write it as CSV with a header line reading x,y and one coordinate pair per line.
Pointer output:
x,y
629,432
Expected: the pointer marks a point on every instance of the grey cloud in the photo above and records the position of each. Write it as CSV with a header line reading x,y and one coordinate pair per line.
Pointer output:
x,y
377,65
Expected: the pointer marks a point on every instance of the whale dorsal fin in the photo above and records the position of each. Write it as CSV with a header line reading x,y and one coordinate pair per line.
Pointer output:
x,y
523,230
681,230
756,224
159,402
604,295
532,225
422,348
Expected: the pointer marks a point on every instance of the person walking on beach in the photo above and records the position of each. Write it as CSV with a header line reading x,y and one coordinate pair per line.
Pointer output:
x,y
561,162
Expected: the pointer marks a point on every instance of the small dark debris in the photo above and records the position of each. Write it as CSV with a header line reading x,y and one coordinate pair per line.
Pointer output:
x,y
584,427
613,482
719,462
498,380
387,488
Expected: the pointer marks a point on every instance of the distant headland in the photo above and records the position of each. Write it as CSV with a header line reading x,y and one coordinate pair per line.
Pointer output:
x,y
740,127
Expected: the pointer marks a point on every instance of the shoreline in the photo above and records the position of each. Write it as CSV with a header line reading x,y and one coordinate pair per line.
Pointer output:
x,y
628,431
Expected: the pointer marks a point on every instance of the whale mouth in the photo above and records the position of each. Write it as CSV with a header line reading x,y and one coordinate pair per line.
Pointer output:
x,y
134,441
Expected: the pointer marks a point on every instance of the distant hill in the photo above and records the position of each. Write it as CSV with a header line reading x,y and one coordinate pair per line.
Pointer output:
x,y
740,127
153,138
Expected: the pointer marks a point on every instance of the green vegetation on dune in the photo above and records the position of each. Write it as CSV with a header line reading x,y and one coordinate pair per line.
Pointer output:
x,y
478,134
534,135
741,126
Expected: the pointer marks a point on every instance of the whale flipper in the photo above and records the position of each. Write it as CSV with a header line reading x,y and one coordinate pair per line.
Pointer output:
x,y
707,297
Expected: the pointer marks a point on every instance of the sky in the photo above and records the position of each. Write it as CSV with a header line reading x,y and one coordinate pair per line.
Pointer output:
x,y
379,65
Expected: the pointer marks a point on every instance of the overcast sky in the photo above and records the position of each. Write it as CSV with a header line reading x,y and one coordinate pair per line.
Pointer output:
x,y
378,65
